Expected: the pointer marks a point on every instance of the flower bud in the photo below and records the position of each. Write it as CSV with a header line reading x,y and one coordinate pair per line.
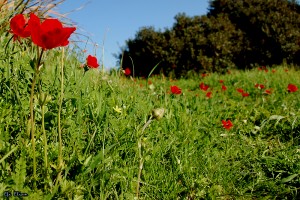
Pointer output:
x,y
158,113
44,99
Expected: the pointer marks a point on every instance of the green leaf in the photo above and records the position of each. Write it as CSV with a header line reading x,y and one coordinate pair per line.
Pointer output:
x,y
289,178
276,117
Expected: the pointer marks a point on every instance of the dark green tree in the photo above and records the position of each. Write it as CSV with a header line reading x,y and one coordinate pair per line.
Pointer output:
x,y
233,34
271,29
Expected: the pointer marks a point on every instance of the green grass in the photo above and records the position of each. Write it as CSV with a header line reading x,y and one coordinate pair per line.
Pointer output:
x,y
186,155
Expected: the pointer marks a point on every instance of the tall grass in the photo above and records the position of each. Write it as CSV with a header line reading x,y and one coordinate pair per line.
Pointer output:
x,y
107,151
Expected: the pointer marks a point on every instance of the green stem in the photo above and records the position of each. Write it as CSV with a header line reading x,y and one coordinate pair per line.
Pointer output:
x,y
33,83
60,159
45,140
141,163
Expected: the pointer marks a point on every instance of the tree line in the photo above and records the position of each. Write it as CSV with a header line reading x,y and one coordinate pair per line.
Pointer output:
x,y
238,34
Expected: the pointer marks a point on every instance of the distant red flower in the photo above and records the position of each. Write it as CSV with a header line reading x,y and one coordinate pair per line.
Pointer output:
x,y
175,90
245,94
224,88
268,91
203,87
19,27
127,71
208,94
273,70
50,33
259,86
204,75
91,61
221,81
227,124
292,88
240,90
259,69
149,82
286,70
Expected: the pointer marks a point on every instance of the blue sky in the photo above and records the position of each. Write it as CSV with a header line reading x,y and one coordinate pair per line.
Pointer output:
x,y
115,21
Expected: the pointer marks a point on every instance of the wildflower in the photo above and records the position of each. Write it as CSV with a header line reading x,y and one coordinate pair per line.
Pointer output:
x,y
224,88
19,27
268,91
259,86
92,62
208,94
292,88
240,90
227,124
273,70
245,94
118,109
127,71
50,33
221,81
175,90
203,86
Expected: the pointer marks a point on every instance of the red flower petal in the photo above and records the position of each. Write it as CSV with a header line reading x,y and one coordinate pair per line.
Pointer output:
x,y
175,90
19,26
50,33
92,62
227,124
127,71
292,88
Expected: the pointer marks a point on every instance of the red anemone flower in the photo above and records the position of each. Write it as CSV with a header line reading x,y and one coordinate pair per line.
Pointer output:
x,y
259,86
224,88
245,94
208,94
240,90
292,88
127,71
203,86
227,124
19,27
92,62
175,90
268,91
50,33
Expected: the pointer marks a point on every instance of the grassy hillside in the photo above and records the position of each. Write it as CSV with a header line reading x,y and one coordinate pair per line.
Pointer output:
x,y
113,148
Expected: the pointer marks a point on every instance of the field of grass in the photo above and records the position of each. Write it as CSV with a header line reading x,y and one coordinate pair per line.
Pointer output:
x,y
114,147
